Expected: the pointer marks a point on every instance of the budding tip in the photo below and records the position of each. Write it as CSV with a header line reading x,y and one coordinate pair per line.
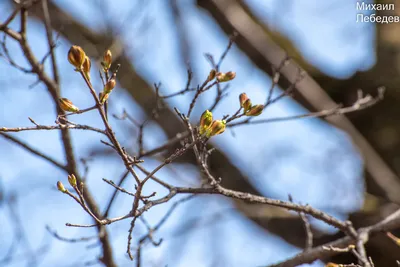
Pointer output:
x,y
86,66
205,121
244,101
110,85
217,127
211,75
225,77
67,105
76,56
255,110
107,60
61,187
72,180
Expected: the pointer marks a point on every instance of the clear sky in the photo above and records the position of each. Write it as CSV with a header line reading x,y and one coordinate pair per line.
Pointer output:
x,y
306,158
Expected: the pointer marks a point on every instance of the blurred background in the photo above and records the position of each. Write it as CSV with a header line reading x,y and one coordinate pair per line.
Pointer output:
x,y
347,173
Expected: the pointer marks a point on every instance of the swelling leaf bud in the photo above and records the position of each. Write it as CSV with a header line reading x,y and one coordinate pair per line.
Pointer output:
x,y
212,74
109,86
86,67
66,105
103,97
245,101
217,127
72,180
225,77
107,58
205,121
76,56
255,110
61,187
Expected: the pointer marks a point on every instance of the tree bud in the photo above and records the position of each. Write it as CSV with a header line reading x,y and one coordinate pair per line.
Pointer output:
x,y
245,101
225,77
76,56
103,97
109,86
66,105
217,127
61,187
255,110
212,74
86,67
205,121
107,58
72,180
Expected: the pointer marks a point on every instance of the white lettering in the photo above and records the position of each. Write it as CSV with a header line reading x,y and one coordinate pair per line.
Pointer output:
x,y
360,6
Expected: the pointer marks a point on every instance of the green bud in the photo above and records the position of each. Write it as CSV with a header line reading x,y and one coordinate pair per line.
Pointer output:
x,y
217,127
72,180
103,97
225,77
205,121
61,187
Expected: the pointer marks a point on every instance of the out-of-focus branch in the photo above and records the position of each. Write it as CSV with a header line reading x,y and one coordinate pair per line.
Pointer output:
x,y
33,151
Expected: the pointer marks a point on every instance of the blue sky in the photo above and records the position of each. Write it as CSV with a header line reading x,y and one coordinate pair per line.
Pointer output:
x,y
293,157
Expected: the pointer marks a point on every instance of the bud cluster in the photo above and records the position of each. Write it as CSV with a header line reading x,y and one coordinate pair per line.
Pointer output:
x,y
110,84
208,127
72,182
76,56
82,63
249,109
225,77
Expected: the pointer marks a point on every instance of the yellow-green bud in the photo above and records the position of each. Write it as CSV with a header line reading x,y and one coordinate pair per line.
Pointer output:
x,y
66,105
205,121
331,264
72,180
76,56
109,86
107,58
217,127
103,97
212,74
245,101
61,187
255,110
225,77
86,67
